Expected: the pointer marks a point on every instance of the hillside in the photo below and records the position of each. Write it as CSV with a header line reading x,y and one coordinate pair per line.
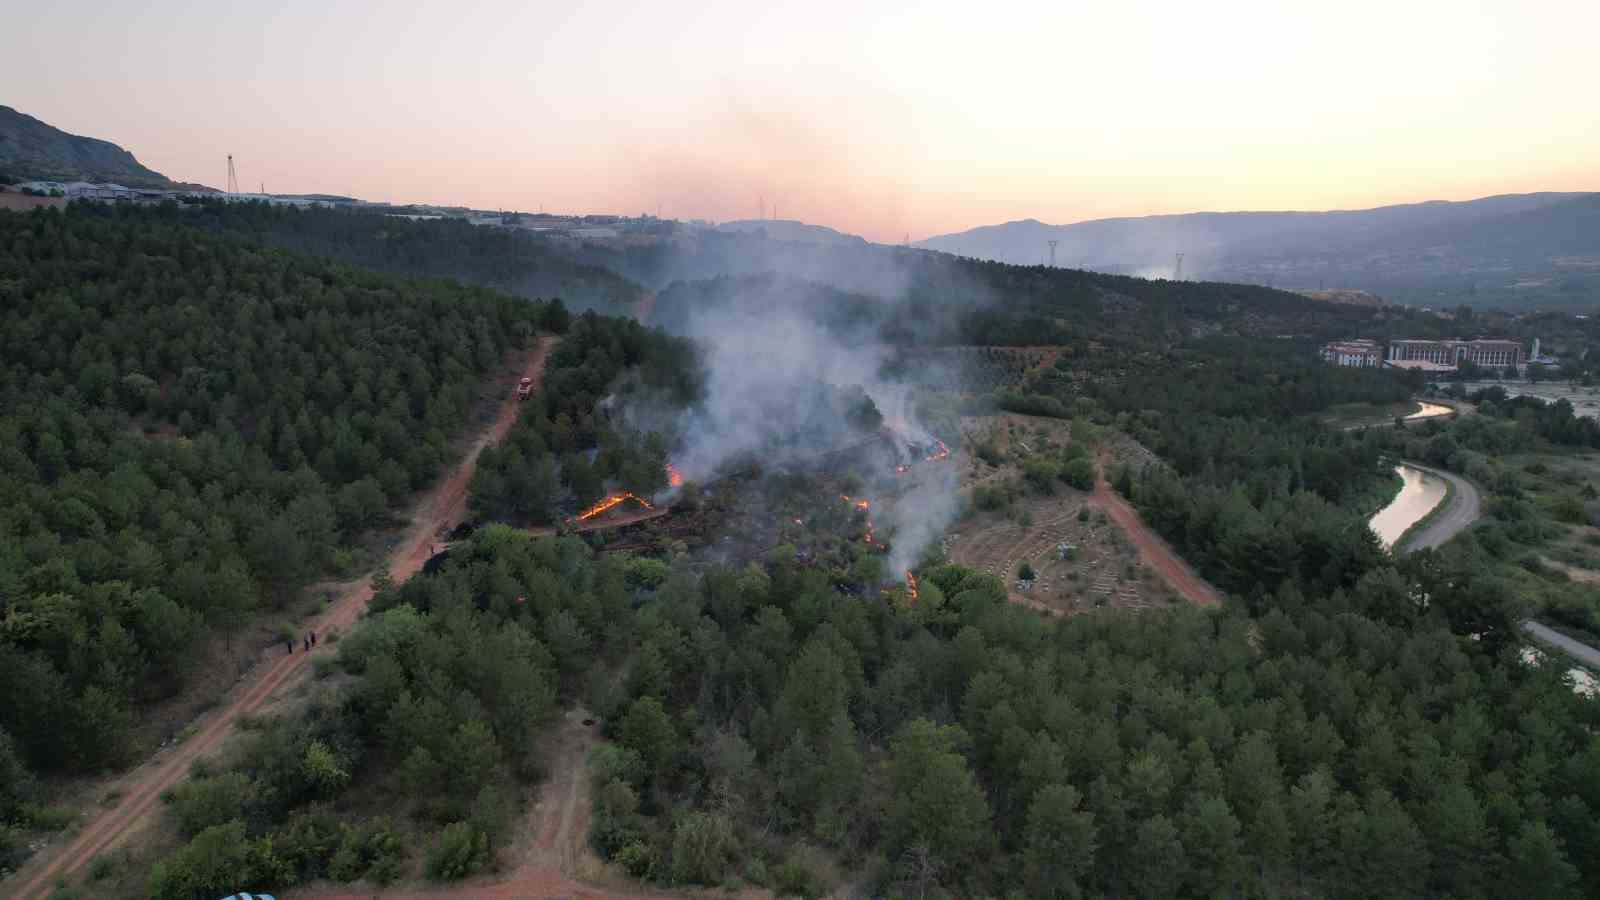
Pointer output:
x,y
510,261
194,429
1515,250
33,150
791,230
905,296
192,424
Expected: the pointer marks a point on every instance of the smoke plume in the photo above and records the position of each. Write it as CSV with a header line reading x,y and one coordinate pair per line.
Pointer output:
x,y
781,386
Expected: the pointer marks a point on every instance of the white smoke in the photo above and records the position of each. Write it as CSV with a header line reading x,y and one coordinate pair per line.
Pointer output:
x,y
765,366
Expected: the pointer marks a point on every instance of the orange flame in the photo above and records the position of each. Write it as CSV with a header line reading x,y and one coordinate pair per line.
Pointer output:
x,y
911,586
864,506
939,454
611,502
674,477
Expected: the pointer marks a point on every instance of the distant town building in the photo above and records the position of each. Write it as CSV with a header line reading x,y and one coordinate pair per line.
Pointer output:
x,y
1427,356
1360,354
1488,354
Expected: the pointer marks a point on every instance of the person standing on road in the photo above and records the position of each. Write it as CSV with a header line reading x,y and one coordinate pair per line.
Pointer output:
x,y
289,642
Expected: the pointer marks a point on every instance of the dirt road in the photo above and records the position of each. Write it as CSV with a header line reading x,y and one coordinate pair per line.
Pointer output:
x,y
1464,506
1152,549
552,844
436,512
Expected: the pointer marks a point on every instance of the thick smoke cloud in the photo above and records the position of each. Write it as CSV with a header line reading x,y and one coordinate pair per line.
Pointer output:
x,y
778,388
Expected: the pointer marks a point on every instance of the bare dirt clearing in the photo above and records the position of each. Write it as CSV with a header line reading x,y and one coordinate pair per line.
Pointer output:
x,y
1102,568
1086,550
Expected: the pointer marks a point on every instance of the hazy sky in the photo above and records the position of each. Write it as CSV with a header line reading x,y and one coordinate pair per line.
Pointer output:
x,y
882,119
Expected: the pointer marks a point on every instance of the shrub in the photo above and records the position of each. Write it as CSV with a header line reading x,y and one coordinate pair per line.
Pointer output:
x,y
1079,472
794,880
206,802
638,858
703,848
461,851
308,843
102,867
219,861
373,850
610,762
989,498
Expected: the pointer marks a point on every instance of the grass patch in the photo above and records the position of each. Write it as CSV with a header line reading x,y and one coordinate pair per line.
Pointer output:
x,y
1356,415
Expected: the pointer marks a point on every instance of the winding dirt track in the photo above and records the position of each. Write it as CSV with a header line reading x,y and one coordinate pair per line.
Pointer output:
x,y
1155,551
442,508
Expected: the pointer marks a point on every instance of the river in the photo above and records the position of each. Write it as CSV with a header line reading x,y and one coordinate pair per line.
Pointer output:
x,y
1421,492
1431,410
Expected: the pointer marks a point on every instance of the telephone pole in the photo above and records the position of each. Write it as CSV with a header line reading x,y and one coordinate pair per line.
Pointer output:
x,y
1052,253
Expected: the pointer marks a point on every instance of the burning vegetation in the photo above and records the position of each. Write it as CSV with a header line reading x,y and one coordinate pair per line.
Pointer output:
x,y
612,502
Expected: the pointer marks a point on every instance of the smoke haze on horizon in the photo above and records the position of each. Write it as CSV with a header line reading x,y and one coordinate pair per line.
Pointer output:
x,y
877,122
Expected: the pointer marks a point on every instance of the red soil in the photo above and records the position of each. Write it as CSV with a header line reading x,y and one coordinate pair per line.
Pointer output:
x,y
1152,548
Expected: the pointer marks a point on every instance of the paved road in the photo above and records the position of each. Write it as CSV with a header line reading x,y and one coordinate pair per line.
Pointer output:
x,y
1583,653
1465,506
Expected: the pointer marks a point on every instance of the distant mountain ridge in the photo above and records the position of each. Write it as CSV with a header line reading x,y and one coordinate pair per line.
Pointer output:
x,y
31,150
792,230
1513,249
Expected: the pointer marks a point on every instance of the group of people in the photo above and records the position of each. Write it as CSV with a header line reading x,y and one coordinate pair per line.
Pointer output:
x,y
309,641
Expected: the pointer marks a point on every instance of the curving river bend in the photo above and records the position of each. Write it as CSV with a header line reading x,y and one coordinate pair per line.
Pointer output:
x,y
1420,493
1430,410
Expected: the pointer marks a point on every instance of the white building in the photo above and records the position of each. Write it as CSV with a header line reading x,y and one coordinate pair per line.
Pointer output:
x,y
1363,354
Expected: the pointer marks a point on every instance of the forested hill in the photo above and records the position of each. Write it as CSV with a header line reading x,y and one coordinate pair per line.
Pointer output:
x,y
509,261
917,298
192,426
1516,250
32,150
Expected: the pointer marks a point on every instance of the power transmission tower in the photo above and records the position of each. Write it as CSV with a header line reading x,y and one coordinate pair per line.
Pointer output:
x,y
1052,253
1177,271
233,179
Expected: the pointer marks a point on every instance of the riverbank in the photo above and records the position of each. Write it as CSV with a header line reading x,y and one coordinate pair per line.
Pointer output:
x,y
1421,494
1356,416
1423,523
1456,514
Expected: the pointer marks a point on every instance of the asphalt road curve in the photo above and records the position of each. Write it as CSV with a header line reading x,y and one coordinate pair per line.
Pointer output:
x,y
1464,506
1583,653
